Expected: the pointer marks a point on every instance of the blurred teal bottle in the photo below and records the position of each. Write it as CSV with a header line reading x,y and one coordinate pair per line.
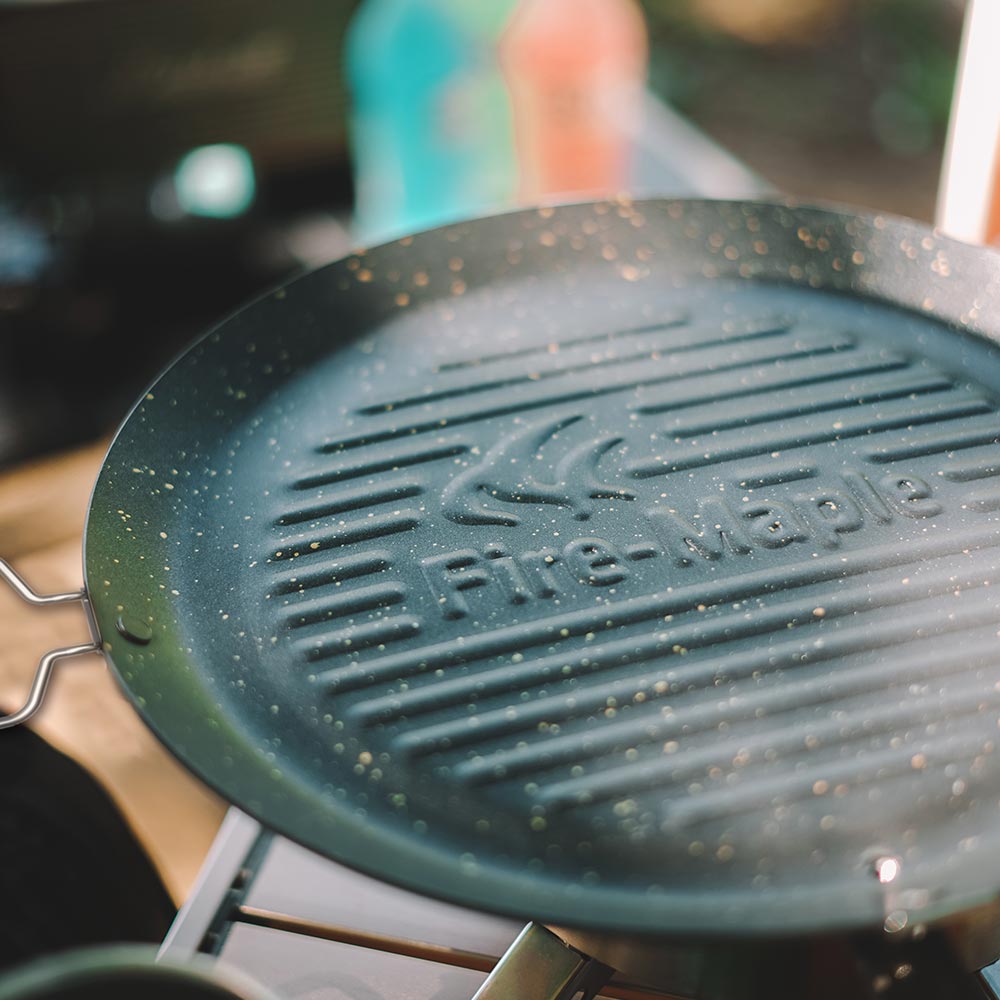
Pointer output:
x,y
432,135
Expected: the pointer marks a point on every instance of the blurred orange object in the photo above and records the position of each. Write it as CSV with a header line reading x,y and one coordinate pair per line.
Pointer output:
x,y
575,71
772,22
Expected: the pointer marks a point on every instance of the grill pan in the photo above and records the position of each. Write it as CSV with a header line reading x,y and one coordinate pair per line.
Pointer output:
x,y
628,566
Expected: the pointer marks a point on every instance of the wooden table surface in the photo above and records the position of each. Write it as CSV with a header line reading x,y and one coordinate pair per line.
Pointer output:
x,y
42,509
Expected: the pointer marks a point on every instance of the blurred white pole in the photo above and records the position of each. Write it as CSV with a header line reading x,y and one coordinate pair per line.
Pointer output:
x,y
970,183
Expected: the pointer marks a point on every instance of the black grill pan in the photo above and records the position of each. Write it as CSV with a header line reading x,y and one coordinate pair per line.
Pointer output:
x,y
628,566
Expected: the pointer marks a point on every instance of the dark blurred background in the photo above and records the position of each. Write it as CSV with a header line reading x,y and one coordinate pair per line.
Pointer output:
x,y
161,161
830,99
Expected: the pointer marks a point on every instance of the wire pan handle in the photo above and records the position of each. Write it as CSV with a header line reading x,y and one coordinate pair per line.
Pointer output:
x,y
43,672
24,590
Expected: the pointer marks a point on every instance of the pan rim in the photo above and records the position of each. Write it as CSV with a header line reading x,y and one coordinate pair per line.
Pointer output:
x,y
746,914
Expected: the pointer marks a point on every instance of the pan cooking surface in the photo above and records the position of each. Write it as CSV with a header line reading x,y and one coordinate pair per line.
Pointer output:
x,y
615,565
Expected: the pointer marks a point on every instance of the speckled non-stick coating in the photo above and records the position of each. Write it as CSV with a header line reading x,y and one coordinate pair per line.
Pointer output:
x,y
627,566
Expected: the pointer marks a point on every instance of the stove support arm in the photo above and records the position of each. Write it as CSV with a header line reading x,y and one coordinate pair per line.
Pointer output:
x,y
540,966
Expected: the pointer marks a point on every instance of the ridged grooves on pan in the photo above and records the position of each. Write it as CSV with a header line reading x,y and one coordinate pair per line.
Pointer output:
x,y
592,384
641,610
399,458
626,731
489,715
634,650
968,434
566,365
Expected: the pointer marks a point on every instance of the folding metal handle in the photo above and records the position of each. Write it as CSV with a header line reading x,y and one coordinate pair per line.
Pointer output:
x,y
47,663
541,966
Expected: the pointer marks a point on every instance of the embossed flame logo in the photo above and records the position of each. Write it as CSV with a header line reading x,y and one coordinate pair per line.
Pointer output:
x,y
509,473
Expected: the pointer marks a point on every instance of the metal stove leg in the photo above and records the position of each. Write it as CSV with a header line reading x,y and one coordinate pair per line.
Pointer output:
x,y
990,980
541,966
